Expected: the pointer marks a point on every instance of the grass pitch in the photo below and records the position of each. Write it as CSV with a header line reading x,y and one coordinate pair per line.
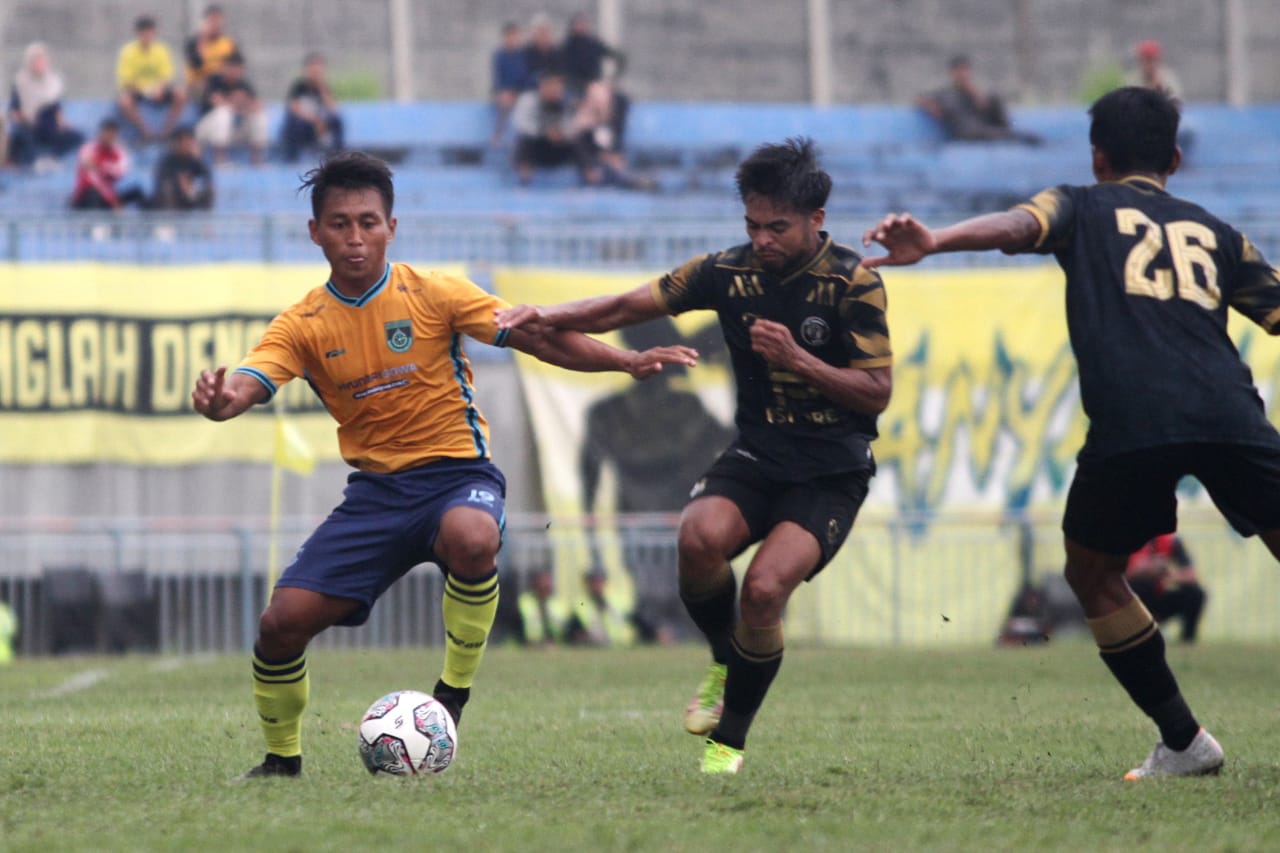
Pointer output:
x,y
858,749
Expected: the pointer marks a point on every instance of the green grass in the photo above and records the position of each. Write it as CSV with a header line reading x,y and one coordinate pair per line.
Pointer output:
x,y
977,749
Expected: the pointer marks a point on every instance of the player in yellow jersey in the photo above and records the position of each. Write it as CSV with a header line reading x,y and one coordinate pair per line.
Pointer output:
x,y
382,345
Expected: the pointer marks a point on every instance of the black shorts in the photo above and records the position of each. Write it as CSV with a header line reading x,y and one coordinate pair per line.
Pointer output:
x,y
825,506
1118,503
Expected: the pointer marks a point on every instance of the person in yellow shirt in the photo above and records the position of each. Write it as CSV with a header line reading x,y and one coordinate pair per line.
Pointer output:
x,y
381,344
206,50
144,73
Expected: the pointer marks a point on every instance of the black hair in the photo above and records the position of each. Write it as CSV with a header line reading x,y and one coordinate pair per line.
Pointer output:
x,y
1136,128
144,22
349,170
958,61
108,124
786,174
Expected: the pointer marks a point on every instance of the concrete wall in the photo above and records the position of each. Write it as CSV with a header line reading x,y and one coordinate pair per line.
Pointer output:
x,y
751,50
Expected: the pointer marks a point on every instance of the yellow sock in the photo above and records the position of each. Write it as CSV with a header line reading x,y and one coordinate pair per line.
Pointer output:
x,y
469,608
280,691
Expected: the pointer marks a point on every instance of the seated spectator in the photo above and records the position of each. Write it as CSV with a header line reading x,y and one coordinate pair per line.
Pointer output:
x,y
102,163
183,181
967,113
1162,575
542,617
311,117
1152,73
583,55
600,619
547,135
206,51
599,125
510,76
542,55
144,73
232,113
37,127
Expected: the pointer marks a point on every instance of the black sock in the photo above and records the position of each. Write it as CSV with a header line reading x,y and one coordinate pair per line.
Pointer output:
x,y
452,698
1143,671
744,690
714,617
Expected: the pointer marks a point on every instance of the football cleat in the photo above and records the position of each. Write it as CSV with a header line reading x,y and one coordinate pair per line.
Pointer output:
x,y
705,708
1202,757
720,760
274,765
452,698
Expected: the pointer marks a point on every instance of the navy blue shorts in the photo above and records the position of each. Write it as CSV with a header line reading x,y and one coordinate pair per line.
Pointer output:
x,y
386,525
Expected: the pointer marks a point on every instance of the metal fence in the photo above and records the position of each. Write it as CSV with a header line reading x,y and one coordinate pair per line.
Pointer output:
x,y
649,243
198,586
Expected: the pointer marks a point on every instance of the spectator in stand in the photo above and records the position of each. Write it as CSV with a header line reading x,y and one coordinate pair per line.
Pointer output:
x,y
144,73
583,55
101,165
183,181
601,618
1163,577
542,618
1152,73
510,76
207,50
542,54
311,117
547,133
37,128
232,113
967,113
599,121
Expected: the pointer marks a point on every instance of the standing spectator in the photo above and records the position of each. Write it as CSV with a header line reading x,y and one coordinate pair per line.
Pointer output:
x,y
542,54
183,181
510,76
232,113
35,110
102,163
966,112
144,73
312,116
546,133
207,50
1163,577
583,55
1152,73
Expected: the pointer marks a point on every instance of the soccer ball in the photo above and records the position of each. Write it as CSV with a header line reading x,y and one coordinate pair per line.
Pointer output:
x,y
408,733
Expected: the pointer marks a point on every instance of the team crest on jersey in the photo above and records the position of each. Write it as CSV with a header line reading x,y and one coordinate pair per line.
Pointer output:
x,y
399,335
815,331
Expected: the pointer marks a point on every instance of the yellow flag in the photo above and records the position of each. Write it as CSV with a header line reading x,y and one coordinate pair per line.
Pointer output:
x,y
292,451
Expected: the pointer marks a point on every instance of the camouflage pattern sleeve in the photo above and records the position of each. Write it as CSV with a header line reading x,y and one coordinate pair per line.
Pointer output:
x,y
865,327
1255,292
1054,209
687,288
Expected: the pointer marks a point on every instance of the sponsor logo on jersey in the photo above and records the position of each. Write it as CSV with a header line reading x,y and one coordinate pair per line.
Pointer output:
x,y
698,488
399,335
815,331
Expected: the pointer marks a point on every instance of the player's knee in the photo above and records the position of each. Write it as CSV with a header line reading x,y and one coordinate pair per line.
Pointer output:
x,y
699,546
762,599
469,550
282,633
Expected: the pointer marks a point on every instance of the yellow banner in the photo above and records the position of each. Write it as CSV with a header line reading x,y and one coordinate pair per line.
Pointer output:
x,y
97,361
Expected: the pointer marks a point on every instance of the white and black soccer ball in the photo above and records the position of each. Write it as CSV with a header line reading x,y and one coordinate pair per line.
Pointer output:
x,y
408,733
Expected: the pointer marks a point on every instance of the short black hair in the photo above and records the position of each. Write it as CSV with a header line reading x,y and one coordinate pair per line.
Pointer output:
x,y
958,61
108,124
349,170
786,174
144,22
1136,128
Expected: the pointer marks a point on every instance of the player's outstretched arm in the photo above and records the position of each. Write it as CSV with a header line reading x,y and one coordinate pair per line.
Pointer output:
x,y
220,397
908,240
576,351
594,314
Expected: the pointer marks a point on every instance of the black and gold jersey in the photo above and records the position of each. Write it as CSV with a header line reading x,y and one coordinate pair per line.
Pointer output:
x,y
835,309
1149,280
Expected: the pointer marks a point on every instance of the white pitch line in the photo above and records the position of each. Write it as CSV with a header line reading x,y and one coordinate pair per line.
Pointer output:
x,y
74,684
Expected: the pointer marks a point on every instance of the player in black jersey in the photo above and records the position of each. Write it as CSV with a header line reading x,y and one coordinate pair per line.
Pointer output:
x,y
805,327
1149,280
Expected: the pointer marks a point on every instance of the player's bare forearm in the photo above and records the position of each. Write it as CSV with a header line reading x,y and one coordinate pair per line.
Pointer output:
x,y
856,389
909,240
593,314
576,351
220,396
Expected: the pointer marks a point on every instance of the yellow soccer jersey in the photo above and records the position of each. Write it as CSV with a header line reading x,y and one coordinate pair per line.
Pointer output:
x,y
389,366
145,70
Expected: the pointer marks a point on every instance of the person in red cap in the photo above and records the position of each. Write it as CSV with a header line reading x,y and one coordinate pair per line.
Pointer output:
x,y
1152,72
